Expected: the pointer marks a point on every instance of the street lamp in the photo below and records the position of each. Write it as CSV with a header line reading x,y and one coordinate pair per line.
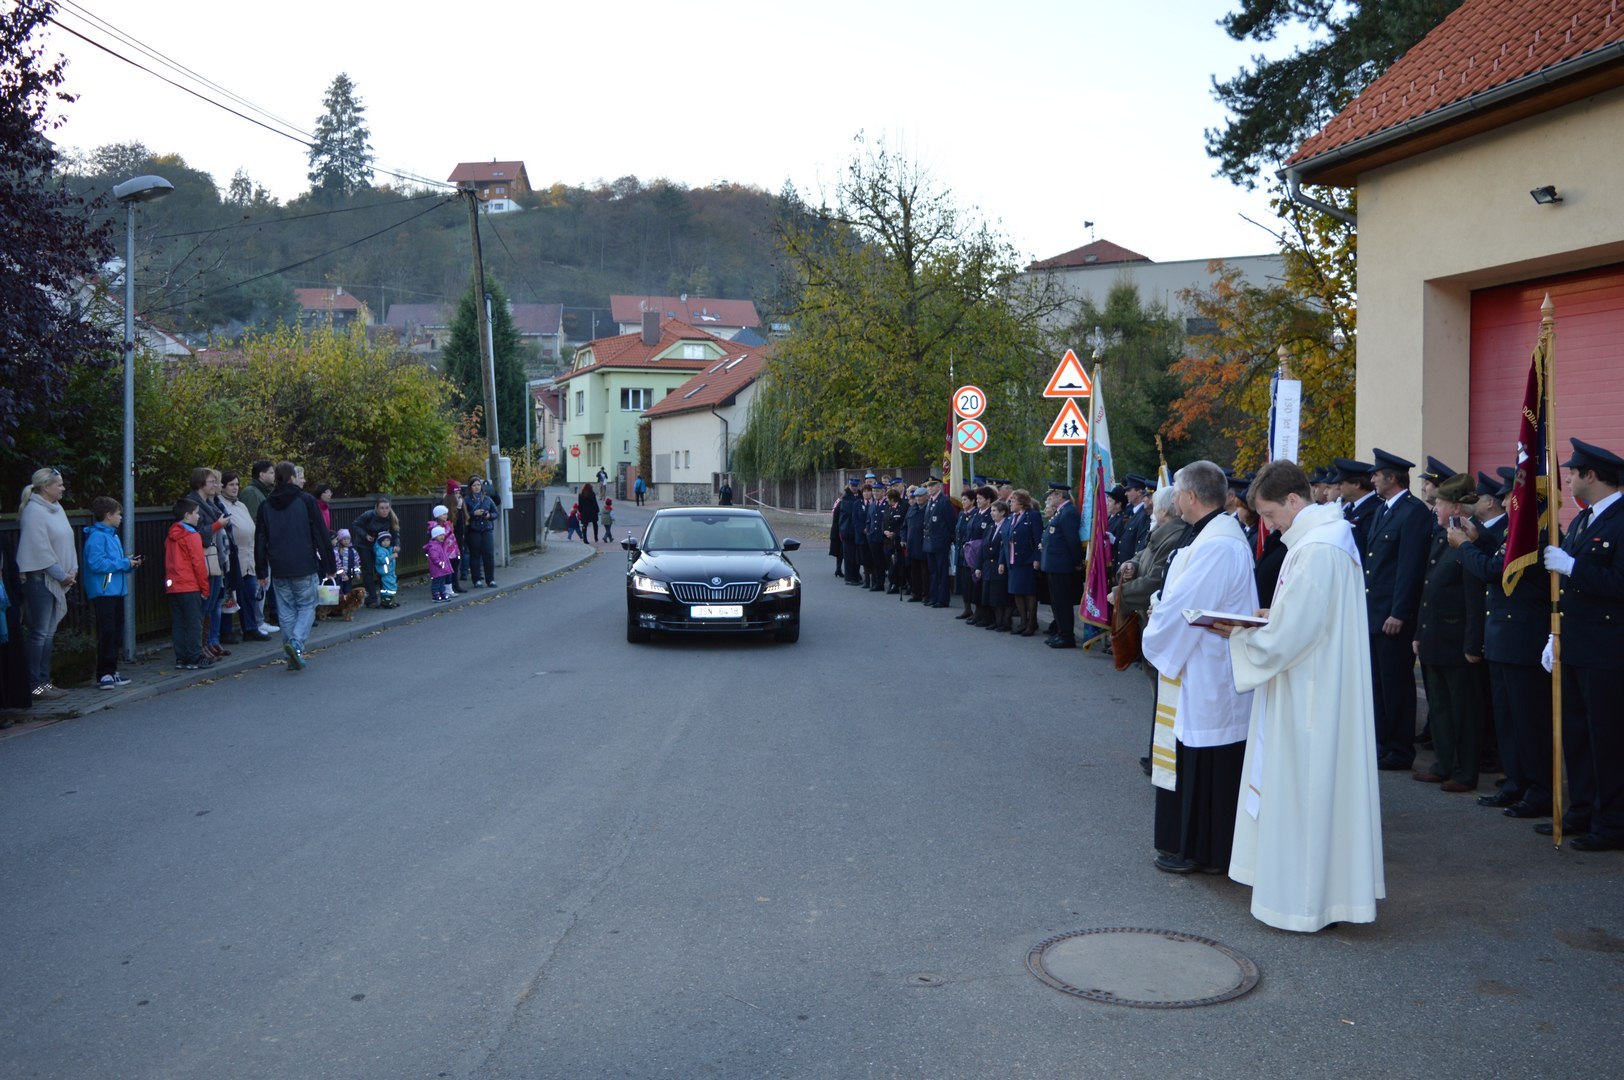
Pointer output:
x,y
139,190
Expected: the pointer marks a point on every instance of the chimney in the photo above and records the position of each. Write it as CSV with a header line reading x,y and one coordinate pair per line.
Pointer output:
x,y
651,328
338,291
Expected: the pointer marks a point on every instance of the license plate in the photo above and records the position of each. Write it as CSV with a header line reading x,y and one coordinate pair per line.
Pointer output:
x,y
717,611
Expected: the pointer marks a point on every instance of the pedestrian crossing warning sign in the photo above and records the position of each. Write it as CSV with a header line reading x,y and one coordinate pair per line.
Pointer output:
x,y
1069,428
1069,379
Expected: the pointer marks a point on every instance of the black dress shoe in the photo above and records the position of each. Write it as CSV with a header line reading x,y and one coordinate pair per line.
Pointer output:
x,y
1592,842
255,635
1526,809
1144,765
1063,643
1499,798
1393,765
1544,829
1176,864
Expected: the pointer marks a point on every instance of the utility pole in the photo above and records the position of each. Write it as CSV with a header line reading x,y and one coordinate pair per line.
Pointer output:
x,y
487,343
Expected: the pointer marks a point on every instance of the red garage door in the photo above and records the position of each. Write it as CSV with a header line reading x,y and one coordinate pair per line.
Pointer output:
x,y
1589,363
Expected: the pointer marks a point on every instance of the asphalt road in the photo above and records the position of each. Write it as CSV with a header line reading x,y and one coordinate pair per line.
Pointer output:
x,y
502,842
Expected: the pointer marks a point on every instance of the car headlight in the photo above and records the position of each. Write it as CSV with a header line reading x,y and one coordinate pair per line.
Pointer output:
x,y
644,583
780,585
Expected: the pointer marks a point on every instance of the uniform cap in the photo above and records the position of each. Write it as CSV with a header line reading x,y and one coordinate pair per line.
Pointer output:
x,y
1589,456
1135,481
1384,460
1119,493
1437,472
1055,485
1488,486
1349,469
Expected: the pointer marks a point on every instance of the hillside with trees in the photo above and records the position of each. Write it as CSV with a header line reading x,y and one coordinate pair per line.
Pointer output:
x,y
224,256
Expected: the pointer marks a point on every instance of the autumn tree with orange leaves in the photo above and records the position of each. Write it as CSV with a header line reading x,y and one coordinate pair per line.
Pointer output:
x,y
1225,373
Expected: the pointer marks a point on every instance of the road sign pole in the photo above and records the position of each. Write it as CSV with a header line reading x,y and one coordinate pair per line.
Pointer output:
x,y
1068,464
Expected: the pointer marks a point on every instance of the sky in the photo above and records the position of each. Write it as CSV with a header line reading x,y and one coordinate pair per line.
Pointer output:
x,y
1036,116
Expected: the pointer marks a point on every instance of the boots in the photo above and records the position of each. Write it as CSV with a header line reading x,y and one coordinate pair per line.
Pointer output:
x,y
1000,623
969,611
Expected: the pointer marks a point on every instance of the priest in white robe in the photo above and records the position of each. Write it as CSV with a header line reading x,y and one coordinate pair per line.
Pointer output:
x,y
1196,799
1308,828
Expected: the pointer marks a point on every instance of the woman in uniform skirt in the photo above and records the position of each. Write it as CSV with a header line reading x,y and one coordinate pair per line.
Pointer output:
x,y
971,526
995,570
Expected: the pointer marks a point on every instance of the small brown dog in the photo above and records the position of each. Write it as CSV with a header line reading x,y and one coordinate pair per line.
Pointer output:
x,y
345,608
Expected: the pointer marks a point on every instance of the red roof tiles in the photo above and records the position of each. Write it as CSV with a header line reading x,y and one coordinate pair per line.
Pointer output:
x,y
716,385
485,172
1483,46
628,350
326,300
1099,253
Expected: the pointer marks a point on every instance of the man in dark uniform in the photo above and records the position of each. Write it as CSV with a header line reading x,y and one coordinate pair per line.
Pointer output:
x,y
1136,523
940,517
1395,566
1240,487
1359,502
849,516
1488,514
1593,650
914,533
874,557
1513,632
1062,562
896,533
1454,711
1434,474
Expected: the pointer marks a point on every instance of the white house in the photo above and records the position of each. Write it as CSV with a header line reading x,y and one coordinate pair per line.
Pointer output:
x,y
693,430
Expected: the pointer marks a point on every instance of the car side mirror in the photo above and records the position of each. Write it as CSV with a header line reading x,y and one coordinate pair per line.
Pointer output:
x,y
791,545
629,544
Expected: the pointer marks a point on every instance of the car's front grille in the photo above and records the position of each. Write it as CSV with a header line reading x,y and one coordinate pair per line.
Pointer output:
x,y
699,592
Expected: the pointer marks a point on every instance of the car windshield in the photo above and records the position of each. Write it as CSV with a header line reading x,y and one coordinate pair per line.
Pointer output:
x,y
709,532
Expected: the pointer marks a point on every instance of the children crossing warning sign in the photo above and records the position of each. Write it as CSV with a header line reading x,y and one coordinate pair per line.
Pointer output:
x,y
1069,428
1069,379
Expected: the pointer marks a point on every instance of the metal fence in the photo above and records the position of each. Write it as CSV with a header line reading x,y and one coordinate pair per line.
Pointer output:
x,y
152,525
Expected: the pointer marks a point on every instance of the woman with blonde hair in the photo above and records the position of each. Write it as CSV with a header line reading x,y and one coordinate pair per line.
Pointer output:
x,y
49,566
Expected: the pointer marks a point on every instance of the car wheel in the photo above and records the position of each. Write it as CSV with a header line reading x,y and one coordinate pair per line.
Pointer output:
x,y
789,636
634,633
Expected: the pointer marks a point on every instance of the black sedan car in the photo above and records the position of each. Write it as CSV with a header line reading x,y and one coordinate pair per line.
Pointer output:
x,y
711,569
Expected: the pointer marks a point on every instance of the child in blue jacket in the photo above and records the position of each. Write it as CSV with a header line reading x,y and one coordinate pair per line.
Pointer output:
x,y
385,559
107,582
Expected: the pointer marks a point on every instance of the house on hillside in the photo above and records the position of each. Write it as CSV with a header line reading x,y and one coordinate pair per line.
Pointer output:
x,y
422,327
692,431
497,184
1088,273
547,401
541,327
612,381
721,318
1487,162
318,307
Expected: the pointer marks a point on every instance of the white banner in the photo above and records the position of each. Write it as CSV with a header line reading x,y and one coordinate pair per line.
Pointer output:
x,y
1288,402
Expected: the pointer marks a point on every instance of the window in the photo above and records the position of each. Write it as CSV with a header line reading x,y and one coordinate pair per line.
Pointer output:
x,y
636,398
580,403
687,459
693,352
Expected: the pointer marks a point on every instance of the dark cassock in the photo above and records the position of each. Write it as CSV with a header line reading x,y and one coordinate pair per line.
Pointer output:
x,y
1195,821
1062,561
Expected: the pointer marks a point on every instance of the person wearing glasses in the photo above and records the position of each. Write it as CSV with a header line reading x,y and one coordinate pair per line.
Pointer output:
x,y
49,565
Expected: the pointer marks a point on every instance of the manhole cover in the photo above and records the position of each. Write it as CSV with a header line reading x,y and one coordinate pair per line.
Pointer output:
x,y
1148,969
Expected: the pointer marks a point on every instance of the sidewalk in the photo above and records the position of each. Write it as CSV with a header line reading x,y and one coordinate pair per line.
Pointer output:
x,y
153,672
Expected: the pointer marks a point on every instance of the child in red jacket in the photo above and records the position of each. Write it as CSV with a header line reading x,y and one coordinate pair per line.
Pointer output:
x,y
186,580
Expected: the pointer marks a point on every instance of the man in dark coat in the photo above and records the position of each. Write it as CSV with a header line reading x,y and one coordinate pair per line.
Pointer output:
x,y
1454,712
1514,630
1593,650
293,553
1135,519
1395,566
940,518
914,535
874,540
1359,502
364,532
849,518
1062,562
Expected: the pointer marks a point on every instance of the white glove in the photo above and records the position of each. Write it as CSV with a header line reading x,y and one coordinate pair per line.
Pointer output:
x,y
1558,560
1547,659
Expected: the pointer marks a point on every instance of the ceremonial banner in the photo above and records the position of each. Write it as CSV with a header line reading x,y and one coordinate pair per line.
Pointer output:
x,y
1096,479
1530,504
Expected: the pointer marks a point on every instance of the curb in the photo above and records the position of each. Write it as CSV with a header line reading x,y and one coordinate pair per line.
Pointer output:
x,y
28,721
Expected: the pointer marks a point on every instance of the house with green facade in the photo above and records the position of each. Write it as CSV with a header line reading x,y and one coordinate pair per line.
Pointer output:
x,y
614,380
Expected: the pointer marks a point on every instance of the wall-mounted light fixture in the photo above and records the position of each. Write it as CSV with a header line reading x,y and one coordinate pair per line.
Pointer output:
x,y
1546,196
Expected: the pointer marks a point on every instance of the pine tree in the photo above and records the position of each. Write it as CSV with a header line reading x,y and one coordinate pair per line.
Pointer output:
x,y
465,363
341,159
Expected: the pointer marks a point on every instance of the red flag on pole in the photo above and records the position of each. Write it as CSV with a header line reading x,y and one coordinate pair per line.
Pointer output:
x,y
1534,494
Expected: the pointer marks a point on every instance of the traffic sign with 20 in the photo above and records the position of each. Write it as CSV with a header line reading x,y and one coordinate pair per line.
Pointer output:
x,y
969,402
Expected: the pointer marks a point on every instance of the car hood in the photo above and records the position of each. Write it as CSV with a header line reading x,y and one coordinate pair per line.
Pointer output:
x,y
704,565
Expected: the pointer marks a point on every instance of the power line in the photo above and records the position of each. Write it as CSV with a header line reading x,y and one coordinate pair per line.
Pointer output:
x,y
297,217
302,262
304,138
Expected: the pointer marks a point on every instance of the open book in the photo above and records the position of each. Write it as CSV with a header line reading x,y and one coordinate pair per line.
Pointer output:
x,y
1207,618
